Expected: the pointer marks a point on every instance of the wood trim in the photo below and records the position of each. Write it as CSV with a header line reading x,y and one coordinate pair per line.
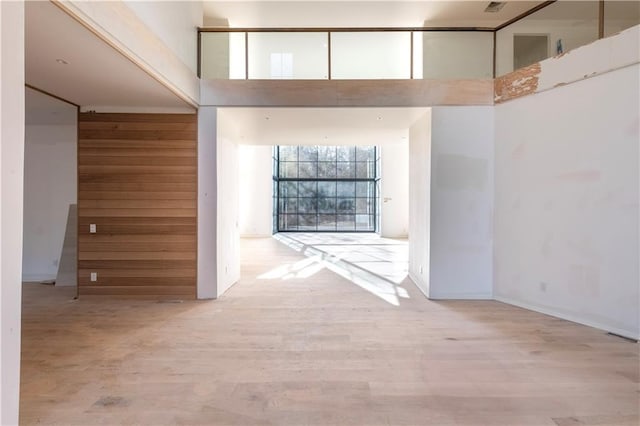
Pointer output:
x,y
411,55
495,53
346,93
329,55
78,115
601,19
525,14
44,92
199,55
337,29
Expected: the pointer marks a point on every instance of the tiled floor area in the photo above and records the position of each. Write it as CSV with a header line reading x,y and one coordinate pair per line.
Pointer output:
x,y
294,343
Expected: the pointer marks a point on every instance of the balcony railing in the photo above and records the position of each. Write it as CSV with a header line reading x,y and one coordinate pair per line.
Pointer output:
x,y
409,53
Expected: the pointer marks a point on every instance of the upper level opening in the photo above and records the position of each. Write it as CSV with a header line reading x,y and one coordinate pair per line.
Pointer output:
x,y
425,52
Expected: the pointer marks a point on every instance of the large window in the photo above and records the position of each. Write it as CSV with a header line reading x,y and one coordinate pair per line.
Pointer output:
x,y
325,188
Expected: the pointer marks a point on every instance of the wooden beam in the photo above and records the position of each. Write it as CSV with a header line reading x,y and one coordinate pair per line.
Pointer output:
x,y
337,29
601,19
346,93
525,14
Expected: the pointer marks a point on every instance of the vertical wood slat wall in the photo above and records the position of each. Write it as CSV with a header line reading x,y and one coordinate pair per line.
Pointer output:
x,y
137,181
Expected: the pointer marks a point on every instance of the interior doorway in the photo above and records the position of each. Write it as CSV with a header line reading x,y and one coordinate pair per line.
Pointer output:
x,y
529,49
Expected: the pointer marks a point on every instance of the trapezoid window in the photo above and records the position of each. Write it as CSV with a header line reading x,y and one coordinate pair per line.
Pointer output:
x,y
325,188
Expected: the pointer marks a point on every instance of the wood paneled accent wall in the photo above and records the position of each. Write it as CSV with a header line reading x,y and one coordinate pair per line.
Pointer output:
x,y
137,182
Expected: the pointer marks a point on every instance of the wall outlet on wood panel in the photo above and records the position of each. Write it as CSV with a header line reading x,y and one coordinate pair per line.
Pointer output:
x,y
94,276
92,228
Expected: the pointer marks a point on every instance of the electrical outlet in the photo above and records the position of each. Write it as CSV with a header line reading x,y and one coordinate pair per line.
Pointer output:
x,y
92,228
94,276
543,286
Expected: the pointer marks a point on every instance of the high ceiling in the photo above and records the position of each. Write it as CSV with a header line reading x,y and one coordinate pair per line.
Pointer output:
x,y
350,13
64,58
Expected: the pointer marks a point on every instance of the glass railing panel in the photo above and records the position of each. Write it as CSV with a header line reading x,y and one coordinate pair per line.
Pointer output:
x,y
418,54
449,54
555,29
371,55
290,56
222,55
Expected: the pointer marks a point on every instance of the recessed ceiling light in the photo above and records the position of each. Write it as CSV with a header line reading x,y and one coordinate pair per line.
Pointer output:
x,y
62,61
379,118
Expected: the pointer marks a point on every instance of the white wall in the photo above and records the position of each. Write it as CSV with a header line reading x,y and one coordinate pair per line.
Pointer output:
x,y
175,23
228,236
49,188
567,201
256,190
450,55
394,212
419,201
461,240
11,190
207,203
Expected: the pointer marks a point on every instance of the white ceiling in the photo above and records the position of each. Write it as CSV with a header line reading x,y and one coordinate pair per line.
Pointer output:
x,y
355,13
96,74
317,126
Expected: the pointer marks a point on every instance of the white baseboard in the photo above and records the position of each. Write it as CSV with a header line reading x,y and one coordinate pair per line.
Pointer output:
x,y
461,296
631,334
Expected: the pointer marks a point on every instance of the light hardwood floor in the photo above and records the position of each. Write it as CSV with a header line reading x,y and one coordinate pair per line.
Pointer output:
x,y
315,351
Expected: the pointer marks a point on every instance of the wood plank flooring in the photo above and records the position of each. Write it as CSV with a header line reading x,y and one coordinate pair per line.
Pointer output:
x,y
315,349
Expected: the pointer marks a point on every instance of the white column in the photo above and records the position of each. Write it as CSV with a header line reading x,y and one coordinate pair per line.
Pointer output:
x,y
207,203
11,192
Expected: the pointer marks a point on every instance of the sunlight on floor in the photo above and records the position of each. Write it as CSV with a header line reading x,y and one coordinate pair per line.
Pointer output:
x,y
377,265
